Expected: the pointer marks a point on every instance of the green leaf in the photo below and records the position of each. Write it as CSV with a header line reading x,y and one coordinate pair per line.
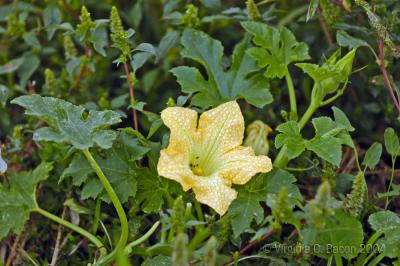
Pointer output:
x,y
19,198
31,39
11,66
279,48
4,94
247,208
68,123
392,142
290,137
221,85
383,219
326,147
344,39
139,59
79,169
118,164
373,155
390,244
325,143
168,41
152,189
51,18
341,118
328,140
26,70
342,233
390,223
312,8
99,39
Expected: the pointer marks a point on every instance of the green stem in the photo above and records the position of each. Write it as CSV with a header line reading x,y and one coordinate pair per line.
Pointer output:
x,y
140,240
199,211
362,258
116,202
377,260
96,219
338,259
73,227
198,238
307,115
292,96
368,258
330,259
391,182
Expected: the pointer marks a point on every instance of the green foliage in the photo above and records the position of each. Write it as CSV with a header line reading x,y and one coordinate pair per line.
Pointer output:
x,y
221,85
392,143
332,73
327,142
373,155
118,163
247,208
79,71
344,233
18,198
67,123
388,223
278,48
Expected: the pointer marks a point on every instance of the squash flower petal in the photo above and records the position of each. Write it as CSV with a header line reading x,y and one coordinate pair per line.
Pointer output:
x,y
205,153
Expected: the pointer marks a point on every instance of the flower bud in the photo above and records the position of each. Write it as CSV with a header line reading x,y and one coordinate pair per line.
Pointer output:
x,y
257,137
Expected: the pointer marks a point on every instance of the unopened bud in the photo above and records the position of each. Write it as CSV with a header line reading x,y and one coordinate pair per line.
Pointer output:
x,y
257,137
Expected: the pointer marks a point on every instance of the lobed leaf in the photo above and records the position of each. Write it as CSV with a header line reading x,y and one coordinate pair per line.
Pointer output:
x,y
68,123
19,198
279,48
221,85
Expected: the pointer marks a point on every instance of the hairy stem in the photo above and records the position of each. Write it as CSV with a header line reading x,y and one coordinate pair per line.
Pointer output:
x,y
73,227
114,199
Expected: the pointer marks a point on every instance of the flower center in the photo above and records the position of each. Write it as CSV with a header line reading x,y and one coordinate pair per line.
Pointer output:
x,y
203,165
198,171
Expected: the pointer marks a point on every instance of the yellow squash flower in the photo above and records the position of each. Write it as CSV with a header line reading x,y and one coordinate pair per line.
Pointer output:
x,y
205,154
